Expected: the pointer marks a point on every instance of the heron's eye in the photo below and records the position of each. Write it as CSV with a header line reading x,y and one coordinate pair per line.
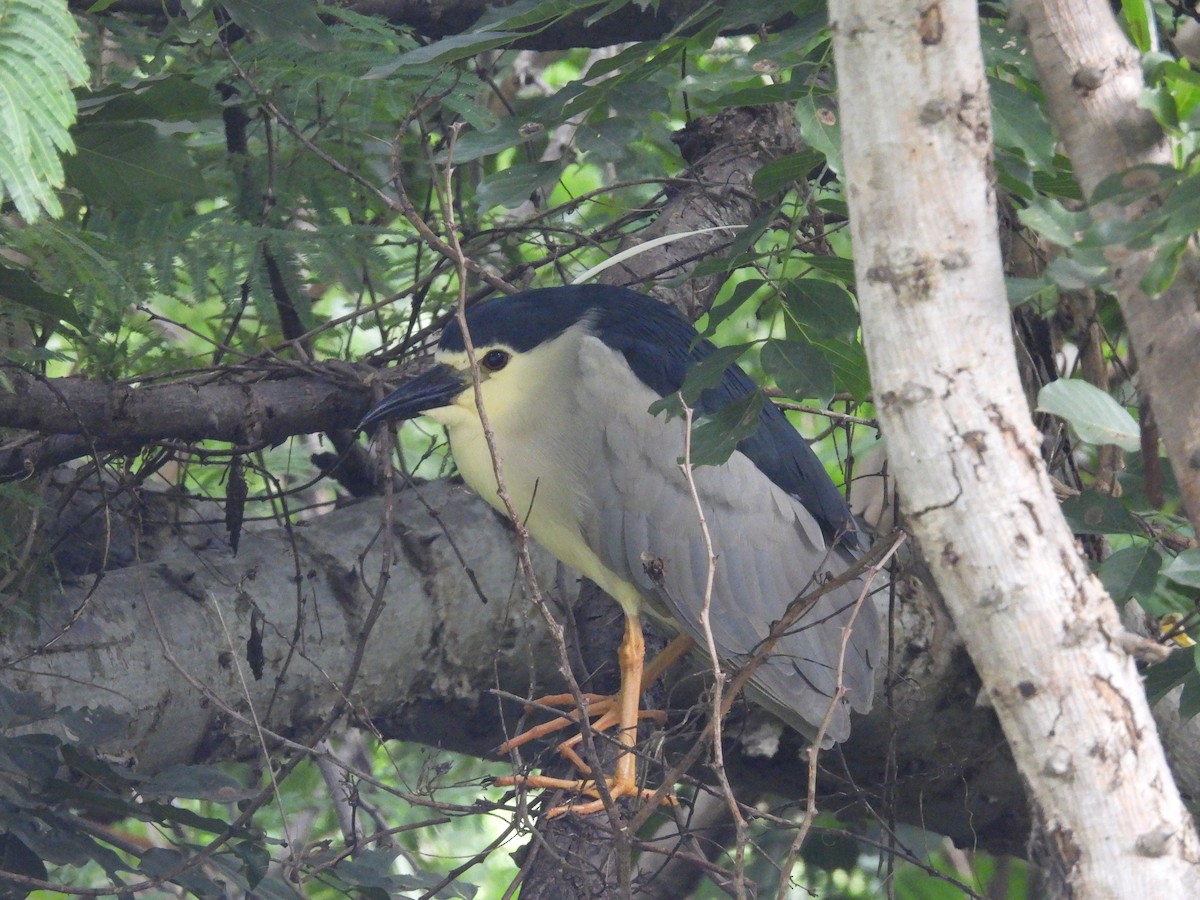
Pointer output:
x,y
494,360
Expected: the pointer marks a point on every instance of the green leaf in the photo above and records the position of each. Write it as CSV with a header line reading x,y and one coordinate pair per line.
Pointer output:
x,y
15,857
610,139
1182,210
17,287
1160,103
513,186
799,369
1014,176
1019,124
166,98
820,309
715,437
639,99
447,50
1021,289
1173,671
748,236
282,20
1137,17
20,707
90,726
848,360
1074,273
1176,219
1130,572
1093,513
742,292
1185,568
1052,220
159,862
709,372
61,843
1162,270
198,783
100,803
256,860
1059,181
477,144
1184,84
780,174
1135,183
40,60
1096,417
164,812
131,165
840,268
29,758
818,121
1168,597
529,14
372,874
736,15
1189,698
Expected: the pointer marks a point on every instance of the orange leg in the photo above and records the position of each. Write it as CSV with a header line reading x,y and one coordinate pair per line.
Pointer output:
x,y
604,706
634,674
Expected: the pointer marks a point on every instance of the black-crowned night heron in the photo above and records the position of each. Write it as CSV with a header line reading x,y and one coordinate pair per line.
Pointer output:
x,y
567,376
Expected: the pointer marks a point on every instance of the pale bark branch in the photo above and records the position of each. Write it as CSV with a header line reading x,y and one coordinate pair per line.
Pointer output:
x,y
1092,77
1044,637
437,654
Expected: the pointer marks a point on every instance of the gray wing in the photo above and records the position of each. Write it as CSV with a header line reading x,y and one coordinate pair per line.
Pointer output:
x,y
769,550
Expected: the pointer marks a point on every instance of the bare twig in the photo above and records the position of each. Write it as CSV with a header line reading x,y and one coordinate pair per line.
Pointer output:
x,y
525,560
711,646
810,812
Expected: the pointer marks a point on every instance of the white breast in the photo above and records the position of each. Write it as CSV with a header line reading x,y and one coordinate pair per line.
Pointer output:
x,y
546,443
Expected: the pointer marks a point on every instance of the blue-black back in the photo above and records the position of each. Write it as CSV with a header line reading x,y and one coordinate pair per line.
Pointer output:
x,y
659,344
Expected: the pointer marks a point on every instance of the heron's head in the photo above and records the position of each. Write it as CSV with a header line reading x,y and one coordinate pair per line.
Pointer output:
x,y
524,349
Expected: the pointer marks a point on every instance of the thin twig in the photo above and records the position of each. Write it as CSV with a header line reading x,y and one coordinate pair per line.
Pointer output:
x,y
810,812
525,560
711,645
235,657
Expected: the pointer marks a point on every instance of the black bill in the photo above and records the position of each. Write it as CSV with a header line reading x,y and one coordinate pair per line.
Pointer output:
x,y
437,387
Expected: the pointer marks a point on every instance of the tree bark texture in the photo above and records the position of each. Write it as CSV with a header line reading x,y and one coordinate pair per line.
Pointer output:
x,y
1044,637
252,406
149,643
1092,77
168,644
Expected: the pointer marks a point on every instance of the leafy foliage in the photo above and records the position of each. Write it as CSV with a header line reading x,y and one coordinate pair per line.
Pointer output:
x,y
255,192
40,60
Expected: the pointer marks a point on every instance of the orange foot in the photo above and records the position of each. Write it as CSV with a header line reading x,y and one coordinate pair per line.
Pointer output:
x,y
621,711
617,789
604,708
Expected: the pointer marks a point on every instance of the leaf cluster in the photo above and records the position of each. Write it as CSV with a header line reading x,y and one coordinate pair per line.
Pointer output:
x,y
266,184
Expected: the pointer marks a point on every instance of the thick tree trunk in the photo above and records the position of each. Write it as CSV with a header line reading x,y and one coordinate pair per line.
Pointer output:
x,y
1092,77
149,643
1044,637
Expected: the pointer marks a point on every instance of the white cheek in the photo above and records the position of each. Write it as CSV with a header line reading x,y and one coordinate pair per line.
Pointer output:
x,y
460,413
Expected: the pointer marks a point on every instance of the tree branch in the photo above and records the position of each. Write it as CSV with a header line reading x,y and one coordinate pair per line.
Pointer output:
x,y
1044,636
248,407
1093,81
437,654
